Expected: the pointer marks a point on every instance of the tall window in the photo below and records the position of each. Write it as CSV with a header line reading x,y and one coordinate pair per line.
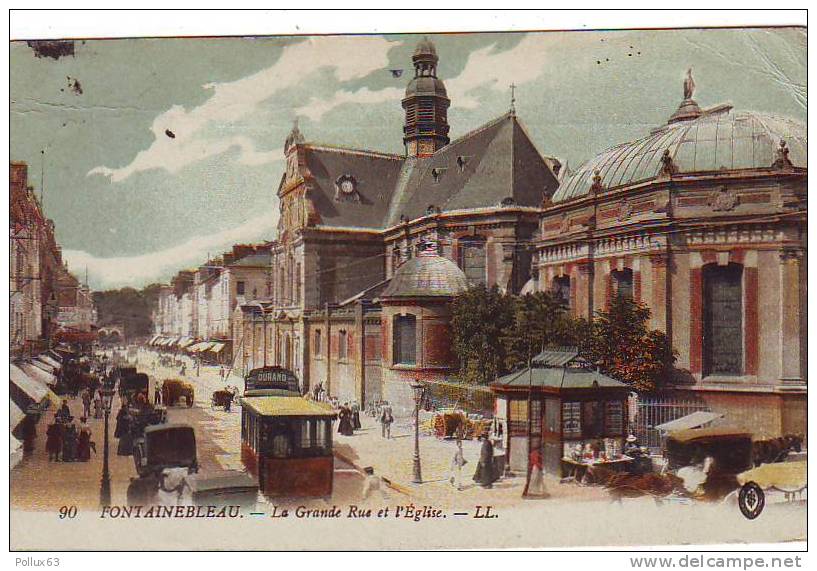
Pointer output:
x,y
623,283
561,289
472,261
405,340
723,320
343,345
318,343
239,288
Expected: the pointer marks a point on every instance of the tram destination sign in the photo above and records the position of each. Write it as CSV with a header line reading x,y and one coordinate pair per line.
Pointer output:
x,y
271,378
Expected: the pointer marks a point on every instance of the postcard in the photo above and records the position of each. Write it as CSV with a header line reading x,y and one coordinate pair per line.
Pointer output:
x,y
399,291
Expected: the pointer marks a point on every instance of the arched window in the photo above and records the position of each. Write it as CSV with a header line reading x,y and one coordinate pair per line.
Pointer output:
x,y
472,261
623,283
343,345
405,340
561,289
723,319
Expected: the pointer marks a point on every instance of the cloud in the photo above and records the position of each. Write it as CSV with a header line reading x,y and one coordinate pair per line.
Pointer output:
x,y
349,58
489,68
136,271
317,108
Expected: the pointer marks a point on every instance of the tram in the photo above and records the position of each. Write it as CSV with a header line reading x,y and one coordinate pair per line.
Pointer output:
x,y
286,440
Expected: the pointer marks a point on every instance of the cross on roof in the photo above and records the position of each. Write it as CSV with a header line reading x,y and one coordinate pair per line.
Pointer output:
x,y
513,98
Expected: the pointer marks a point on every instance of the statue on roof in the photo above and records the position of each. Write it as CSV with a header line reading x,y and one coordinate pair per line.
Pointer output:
x,y
689,85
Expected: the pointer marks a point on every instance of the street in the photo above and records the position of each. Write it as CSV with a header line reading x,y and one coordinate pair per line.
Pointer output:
x,y
35,483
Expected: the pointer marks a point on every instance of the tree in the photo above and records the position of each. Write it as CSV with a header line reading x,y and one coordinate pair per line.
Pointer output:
x,y
480,321
622,346
541,319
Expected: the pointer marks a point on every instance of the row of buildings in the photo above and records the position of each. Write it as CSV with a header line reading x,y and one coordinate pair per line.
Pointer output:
x,y
47,302
703,219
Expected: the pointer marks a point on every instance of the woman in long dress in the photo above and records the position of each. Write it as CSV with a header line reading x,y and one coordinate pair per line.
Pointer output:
x,y
485,474
536,482
84,443
345,425
123,423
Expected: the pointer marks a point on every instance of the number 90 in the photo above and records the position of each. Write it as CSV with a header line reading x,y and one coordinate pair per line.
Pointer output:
x,y
69,512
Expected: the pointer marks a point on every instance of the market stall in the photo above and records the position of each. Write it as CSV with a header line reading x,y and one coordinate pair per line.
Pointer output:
x,y
577,418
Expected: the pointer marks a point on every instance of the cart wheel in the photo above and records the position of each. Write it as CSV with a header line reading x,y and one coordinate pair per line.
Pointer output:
x,y
751,500
189,401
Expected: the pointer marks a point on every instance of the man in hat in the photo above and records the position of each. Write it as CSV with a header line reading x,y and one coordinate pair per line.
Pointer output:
x,y
631,446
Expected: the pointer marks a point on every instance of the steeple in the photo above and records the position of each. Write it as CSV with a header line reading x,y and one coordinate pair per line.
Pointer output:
x,y
426,104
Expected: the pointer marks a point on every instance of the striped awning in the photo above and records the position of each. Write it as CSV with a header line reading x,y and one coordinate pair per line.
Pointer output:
x,y
35,390
39,374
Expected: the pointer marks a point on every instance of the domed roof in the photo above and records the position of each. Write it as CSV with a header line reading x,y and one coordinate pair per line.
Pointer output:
x,y
718,139
426,276
425,47
426,85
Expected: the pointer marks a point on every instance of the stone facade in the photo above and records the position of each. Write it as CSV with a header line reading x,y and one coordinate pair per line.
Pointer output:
x,y
666,231
44,295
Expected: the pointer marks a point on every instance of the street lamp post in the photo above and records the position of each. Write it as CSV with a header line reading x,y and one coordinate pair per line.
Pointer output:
x,y
107,394
418,387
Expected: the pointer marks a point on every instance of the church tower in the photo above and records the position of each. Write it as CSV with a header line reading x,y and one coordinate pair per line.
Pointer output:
x,y
426,104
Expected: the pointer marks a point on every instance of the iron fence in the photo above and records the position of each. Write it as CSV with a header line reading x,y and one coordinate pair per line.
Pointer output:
x,y
653,411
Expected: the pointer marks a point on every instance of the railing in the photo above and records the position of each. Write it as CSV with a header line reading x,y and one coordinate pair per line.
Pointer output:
x,y
653,411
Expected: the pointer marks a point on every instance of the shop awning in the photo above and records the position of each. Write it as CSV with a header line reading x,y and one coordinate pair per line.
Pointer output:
x,y
185,342
204,346
695,420
33,389
216,348
16,415
49,360
153,339
39,374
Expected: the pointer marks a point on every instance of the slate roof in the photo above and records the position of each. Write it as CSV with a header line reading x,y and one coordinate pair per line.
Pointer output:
x,y
558,378
480,169
375,175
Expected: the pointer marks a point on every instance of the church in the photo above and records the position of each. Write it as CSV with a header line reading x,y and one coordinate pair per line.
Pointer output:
x,y
703,219
373,246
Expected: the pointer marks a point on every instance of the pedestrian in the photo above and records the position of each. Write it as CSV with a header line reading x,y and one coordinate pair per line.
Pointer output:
x,y
69,442
535,487
356,416
345,425
228,403
485,474
123,432
29,433
157,392
386,420
84,441
372,485
221,372
97,407
457,463
86,403
53,440
64,412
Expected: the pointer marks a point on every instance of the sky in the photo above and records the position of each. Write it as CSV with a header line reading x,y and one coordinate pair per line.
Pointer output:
x,y
134,205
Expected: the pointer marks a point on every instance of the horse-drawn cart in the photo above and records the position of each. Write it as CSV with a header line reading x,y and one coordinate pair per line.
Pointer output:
x,y
223,397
